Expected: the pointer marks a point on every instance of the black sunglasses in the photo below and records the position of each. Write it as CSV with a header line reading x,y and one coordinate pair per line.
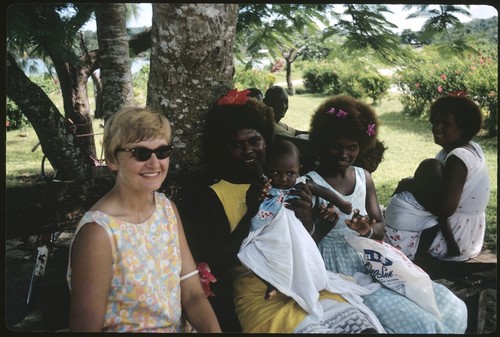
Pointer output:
x,y
143,153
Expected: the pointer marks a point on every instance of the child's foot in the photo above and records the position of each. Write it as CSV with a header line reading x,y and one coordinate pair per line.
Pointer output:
x,y
270,293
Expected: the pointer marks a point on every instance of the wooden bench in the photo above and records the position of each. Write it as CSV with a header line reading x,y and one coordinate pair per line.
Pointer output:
x,y
474,281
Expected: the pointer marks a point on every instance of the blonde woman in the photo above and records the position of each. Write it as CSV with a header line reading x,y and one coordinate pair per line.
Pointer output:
x,y
130,266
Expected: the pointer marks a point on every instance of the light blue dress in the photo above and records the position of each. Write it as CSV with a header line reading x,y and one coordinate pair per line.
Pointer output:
x,y
397,313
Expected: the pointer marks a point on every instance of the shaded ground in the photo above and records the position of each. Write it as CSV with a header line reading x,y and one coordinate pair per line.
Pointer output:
x,y
37,204
30,208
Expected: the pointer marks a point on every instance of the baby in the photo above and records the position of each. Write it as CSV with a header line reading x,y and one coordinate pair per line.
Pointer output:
x,y
282,170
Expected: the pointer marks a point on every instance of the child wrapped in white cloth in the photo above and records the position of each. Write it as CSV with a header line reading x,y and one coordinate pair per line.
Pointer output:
x,y
279,250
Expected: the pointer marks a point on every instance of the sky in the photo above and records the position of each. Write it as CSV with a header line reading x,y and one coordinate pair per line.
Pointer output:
x,y
398,18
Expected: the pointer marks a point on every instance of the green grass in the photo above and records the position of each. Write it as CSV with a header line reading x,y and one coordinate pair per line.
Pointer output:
x,y
408,139
22,162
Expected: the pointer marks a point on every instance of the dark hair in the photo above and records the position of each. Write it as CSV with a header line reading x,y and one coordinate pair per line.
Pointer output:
x,y
343,117
378,149
224,120
273,93
282,148
255,93
466,112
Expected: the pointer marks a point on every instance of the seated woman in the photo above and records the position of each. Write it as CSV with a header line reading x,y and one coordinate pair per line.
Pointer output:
x,y
462,198
341,127
239,128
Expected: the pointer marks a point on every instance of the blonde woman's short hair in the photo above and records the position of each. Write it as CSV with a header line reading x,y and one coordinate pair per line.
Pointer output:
x,y
132,125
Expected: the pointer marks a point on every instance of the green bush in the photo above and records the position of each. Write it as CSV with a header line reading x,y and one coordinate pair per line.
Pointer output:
x,y
320,78
375,85
342,78
48,83
253,78
15,119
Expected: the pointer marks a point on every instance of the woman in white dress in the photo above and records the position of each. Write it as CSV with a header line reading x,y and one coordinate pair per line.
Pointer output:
x,y
414,228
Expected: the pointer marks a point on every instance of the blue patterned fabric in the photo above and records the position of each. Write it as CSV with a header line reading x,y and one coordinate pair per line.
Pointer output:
x,y
397,313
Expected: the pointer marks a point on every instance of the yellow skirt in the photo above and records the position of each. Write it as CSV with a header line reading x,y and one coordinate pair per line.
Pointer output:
x,y
281,314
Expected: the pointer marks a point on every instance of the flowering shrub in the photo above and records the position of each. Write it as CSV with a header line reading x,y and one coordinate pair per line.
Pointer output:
x,y
476,75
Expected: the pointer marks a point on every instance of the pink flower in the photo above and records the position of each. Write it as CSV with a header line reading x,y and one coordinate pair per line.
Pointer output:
x,y
340,113
370,130
234,97
206,278
443,77
417,85
440,89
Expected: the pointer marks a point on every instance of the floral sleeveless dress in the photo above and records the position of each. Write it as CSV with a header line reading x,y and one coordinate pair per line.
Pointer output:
x,y
397,313
145,288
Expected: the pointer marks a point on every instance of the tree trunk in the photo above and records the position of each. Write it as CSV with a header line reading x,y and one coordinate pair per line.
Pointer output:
x,y
114,59
191,66
96,82
290,90
57,141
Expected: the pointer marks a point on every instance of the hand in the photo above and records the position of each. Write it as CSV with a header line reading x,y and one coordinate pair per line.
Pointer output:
x,y
360,223
302,205
329,214
329,218
256,193
453,249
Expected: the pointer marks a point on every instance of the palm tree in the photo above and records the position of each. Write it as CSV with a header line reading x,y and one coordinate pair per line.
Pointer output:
x,y
114,60
438,19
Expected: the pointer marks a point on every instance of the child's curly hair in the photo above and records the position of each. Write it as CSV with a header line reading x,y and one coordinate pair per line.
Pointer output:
x,y
224,120
343,117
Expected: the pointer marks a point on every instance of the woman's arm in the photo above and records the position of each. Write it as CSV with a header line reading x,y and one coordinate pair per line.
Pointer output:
x,y
91,274
329,195
454,177
195,304
373,209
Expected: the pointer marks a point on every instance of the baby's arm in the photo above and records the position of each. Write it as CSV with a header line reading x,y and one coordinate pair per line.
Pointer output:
x,y
329,195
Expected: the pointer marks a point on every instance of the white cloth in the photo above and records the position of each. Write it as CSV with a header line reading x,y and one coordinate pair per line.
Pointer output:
x,y
284,254
405,218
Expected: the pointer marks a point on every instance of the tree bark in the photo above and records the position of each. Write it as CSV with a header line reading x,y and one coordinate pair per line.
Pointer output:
x,y
191,66
114,59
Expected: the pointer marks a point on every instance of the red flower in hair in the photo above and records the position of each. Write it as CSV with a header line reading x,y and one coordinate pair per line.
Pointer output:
x,y
206,278
234,97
